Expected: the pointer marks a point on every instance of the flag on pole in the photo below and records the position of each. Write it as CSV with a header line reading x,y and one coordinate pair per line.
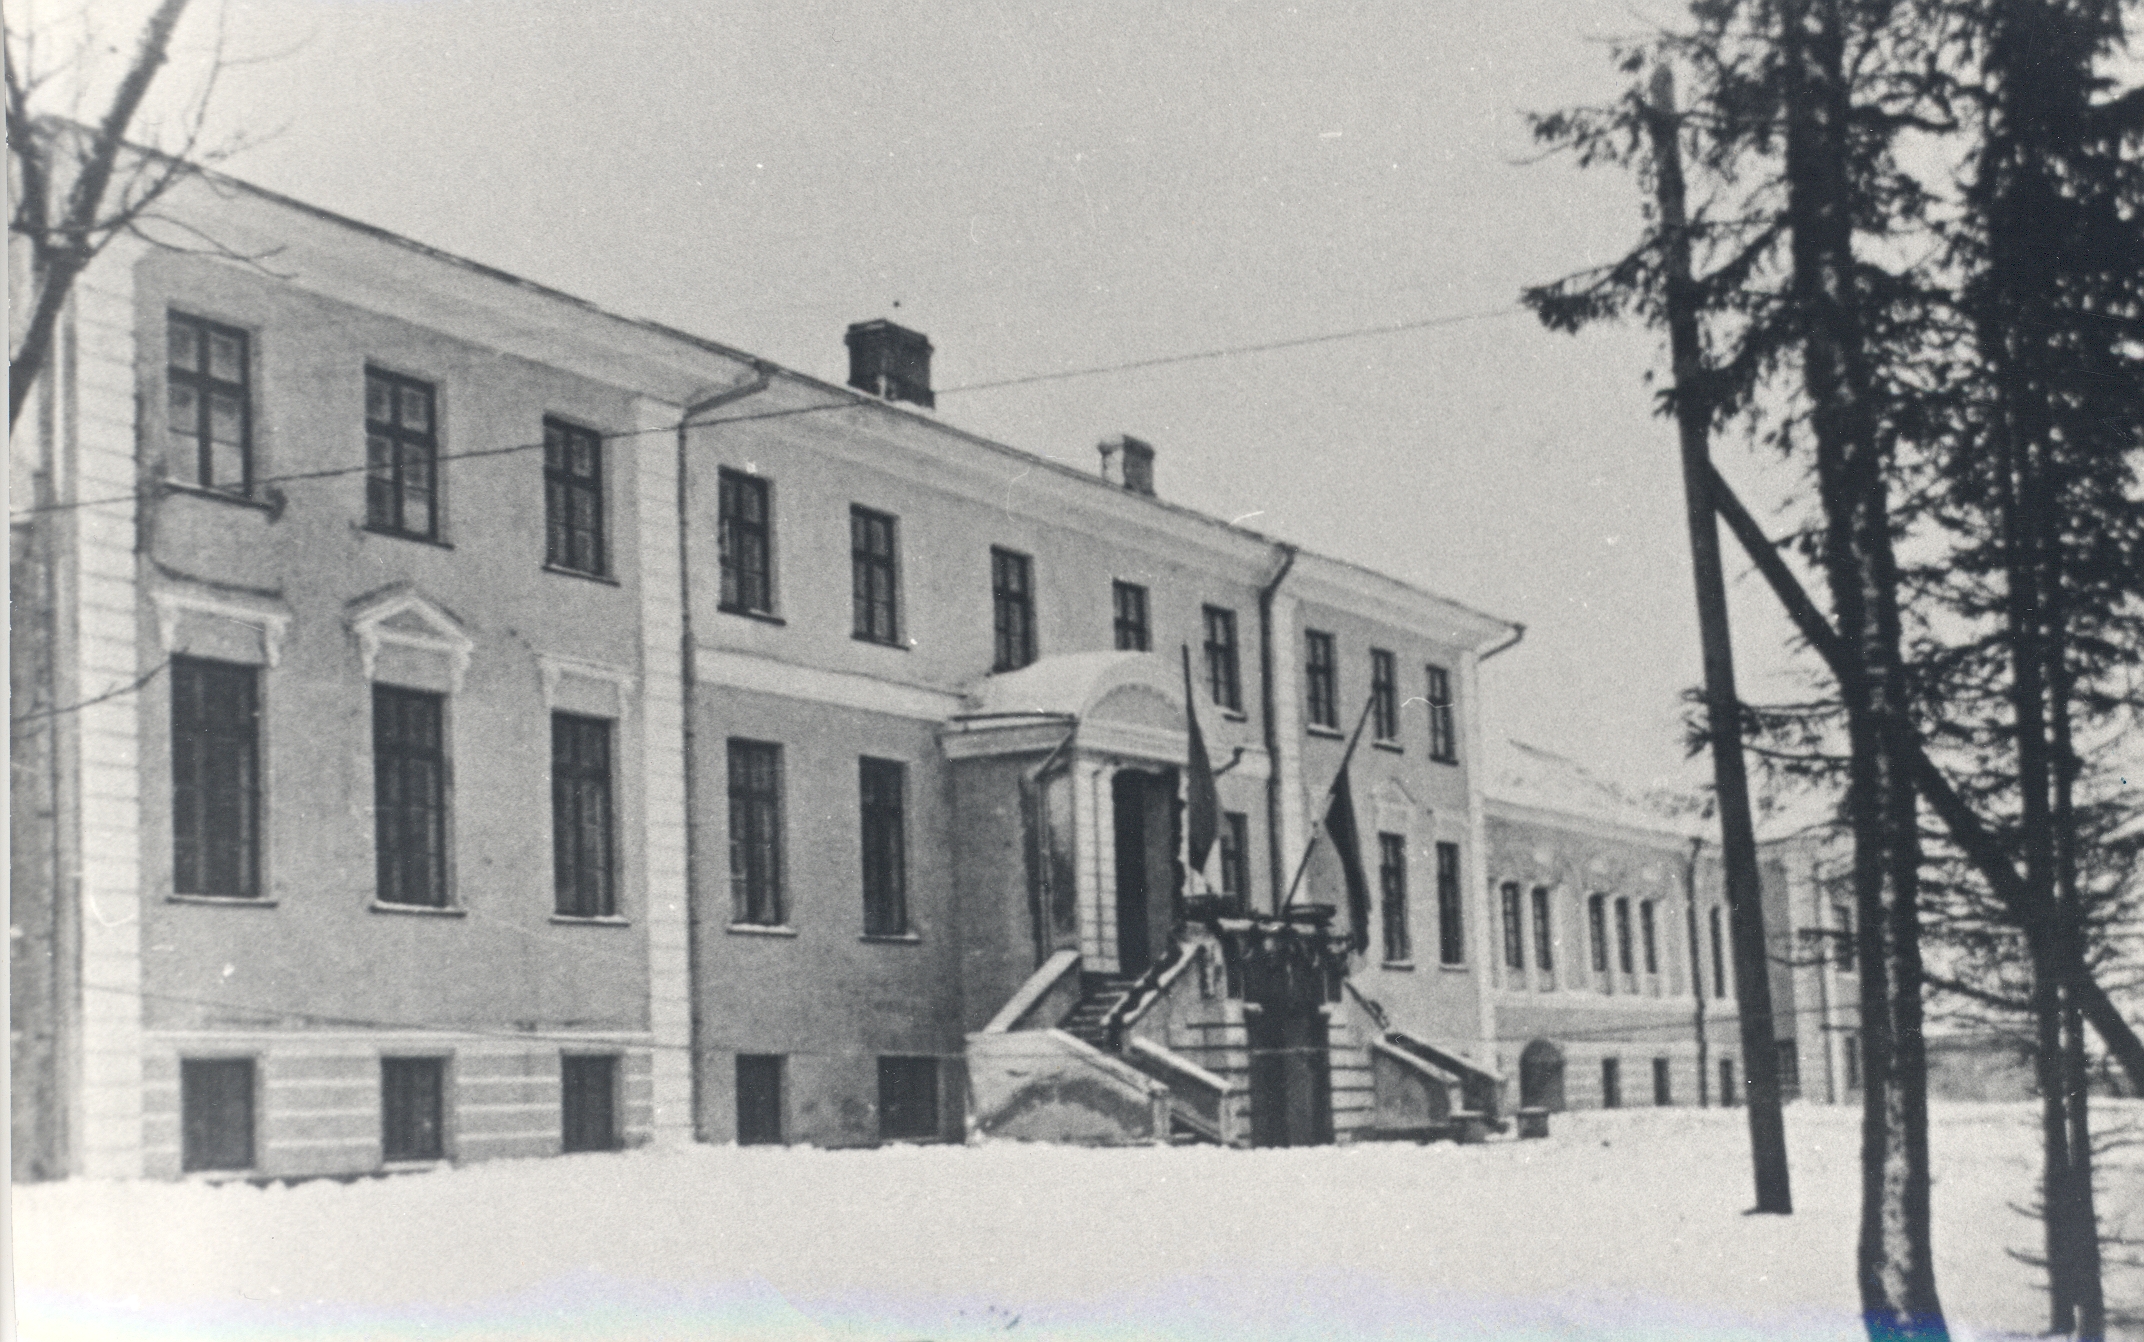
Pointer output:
x,y
1202,802
1340,828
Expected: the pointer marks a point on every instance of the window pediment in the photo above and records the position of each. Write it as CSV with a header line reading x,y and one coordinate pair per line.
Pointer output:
x,y
404,636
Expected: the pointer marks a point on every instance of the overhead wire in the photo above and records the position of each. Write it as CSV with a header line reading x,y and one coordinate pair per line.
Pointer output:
x,y
849,403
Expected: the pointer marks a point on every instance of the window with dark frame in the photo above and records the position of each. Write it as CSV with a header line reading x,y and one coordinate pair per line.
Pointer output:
x,y
1611,1083
409,784
1443,739
759,1099
582,827
401,456
1597,930
588,1102
1012,609
1790,1068
412,1108
209,403
215,779
1514,921
1128,601
756,833
882,785
1544,933
744,535
573,498
873,578
1850,1047
215,1114
1648,937
1728,1098
1842,923
1719,955
1625,956
1222,679
1235,841
1392,886
1663,1082
907,1097
1384,696
1451,925
1321,675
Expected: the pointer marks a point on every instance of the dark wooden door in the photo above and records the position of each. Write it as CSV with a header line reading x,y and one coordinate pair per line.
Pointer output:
x,y
1291,1074
216,1099
1134,928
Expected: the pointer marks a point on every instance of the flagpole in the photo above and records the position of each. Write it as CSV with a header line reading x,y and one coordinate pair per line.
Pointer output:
x,y
1338,774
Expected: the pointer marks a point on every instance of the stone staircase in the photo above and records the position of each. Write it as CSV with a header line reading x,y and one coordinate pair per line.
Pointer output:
x,y
1100,995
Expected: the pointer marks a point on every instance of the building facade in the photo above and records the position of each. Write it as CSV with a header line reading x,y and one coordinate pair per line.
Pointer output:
x,y
458,722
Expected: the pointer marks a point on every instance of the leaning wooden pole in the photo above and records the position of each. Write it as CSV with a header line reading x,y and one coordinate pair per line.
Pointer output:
x,y
1738,835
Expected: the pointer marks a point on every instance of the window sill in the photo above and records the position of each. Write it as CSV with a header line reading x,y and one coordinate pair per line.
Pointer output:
x,y
413,1165
223,901
1444,759
1407,965
763,616
1453,969
890,644
564,572
1393,746
1234,715
418,537
421,910
1320,729
605,920
759,930
218,496
892,938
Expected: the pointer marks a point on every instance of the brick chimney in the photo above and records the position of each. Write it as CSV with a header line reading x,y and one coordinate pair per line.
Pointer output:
x,y
890,361
1129,462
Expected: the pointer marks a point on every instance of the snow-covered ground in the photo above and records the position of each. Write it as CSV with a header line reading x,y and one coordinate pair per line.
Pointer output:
x,y
1622,1225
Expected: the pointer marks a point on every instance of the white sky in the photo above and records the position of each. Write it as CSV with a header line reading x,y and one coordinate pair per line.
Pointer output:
x,y
1053,187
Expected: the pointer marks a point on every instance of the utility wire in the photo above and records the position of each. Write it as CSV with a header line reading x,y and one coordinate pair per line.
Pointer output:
x,y
1099,370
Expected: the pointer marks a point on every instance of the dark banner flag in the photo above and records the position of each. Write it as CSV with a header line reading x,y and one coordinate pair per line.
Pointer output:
x,y
1202,803
1340,829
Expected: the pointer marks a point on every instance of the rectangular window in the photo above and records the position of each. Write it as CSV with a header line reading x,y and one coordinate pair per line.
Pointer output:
x,y
1648,937
907,1097
759,1099
409,796
573,498
744,532
1663,1082
1443,739
216,1113
1322,672
1235,837
1625,960
1790,1069
1728,1097
756,833
581,825
401,456
1544,934
1514,926
412,1108
588,1102
1129,602
1611,1083
882,785
1597,930
1842,924
1384,695
209,405
874,590
1719,955
1451,927
1851,1047
1392,884
1012,609
1222,680
215,779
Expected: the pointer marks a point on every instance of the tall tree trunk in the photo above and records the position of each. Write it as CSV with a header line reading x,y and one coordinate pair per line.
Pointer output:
x,y
1723,706
1896,1267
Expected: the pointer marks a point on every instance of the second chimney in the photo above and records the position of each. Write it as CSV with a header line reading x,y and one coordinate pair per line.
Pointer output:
x,y
890,361
1129,462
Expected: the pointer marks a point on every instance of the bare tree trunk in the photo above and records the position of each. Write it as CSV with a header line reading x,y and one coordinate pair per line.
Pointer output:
x,y
1723,707
60,249
1896,1266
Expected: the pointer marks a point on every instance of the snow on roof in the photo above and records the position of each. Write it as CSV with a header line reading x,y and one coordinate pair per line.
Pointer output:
x,y
1524,775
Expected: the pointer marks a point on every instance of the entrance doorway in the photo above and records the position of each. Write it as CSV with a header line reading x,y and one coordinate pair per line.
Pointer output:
x,y
1143,807
1541,1077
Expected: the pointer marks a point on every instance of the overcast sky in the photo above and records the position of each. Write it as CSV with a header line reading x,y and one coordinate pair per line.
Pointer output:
x,y
1042,188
